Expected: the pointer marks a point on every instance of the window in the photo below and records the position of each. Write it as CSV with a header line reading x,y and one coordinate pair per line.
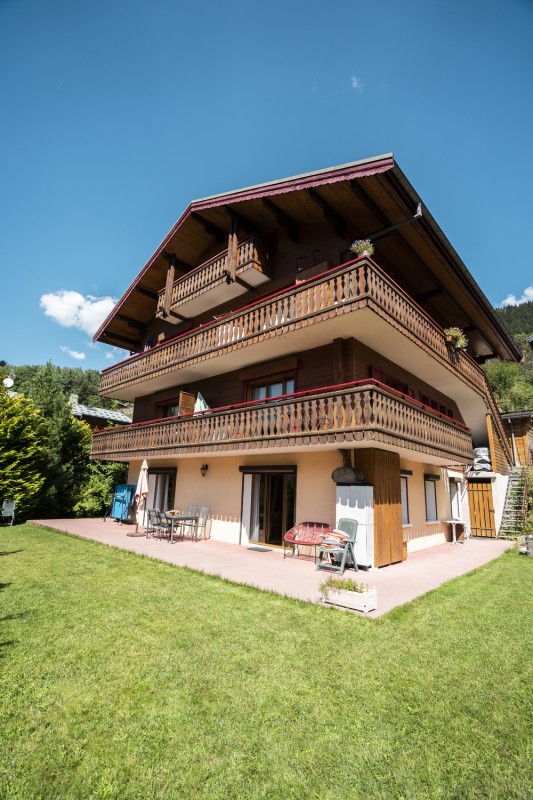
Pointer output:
x,y
271,388
430,488
405,499
455,499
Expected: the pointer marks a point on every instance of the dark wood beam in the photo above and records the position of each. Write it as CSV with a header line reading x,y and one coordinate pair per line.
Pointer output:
x,y
163,313
133,323
241,222
176,262
337,222
288,223
423,296
132,344
146,292
211,229
375,210
483,359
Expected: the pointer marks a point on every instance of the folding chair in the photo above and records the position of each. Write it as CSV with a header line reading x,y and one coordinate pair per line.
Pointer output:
x,y
8,512
339,548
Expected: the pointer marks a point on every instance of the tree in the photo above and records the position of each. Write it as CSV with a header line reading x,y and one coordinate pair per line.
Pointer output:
x,y
23,437
512,390
98,490
67,447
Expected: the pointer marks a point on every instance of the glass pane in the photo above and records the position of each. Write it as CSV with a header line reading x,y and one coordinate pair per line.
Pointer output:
x,y
431,501
275,389
405,502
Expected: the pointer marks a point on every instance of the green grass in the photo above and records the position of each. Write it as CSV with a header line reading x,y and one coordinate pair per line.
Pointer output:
x,y
123,677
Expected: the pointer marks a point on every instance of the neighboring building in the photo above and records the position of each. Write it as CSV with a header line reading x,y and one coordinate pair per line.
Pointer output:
x,y
255,303
518,426
97,418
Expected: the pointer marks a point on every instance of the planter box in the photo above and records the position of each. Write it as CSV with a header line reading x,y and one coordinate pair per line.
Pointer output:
x,y
356,601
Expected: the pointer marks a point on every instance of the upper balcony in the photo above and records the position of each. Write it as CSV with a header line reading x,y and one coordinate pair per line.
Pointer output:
x,y
356,300
364,413
212,283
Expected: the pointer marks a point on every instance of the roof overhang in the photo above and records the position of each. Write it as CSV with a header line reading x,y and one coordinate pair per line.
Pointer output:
x,y
371,194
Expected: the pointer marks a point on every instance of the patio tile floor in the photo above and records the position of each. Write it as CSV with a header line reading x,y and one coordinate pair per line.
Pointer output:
x,y
294,577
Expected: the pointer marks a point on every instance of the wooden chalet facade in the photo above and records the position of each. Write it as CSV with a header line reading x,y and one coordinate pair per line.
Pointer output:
x,y
255,304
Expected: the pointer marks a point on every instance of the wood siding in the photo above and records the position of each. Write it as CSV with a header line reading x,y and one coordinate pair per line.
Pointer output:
x,y
342,361
382,470
500,452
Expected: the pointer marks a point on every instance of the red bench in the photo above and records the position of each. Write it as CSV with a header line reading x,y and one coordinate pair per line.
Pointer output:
x,y
305,534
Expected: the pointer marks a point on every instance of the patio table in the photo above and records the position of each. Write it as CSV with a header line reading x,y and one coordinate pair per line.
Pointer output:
x,y
453,523
177,518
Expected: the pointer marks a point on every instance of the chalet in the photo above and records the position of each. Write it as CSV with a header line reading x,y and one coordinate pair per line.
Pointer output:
x,y
260,346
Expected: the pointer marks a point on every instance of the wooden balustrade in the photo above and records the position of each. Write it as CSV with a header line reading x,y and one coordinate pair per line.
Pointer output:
x,y
340,291
367,411
212,272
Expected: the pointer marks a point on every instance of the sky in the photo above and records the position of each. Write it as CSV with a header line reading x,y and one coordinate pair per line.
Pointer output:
x,y
116,114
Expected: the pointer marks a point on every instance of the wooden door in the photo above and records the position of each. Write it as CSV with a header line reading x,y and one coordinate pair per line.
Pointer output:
x,y
481,505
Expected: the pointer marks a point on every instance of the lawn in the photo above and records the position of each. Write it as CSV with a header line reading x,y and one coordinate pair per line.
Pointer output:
x,y
123,677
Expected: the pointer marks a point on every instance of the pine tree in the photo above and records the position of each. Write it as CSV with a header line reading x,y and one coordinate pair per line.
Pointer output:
x,y
67,448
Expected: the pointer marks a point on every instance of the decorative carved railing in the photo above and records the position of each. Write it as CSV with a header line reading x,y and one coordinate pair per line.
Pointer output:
x,y
213,272
353,412
339,291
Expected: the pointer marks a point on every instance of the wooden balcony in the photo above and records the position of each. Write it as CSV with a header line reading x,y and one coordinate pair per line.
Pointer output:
x,y
212,283
366,412
356,299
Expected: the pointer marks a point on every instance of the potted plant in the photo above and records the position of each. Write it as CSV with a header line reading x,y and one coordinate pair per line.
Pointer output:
x,y
347,593
362,247
456,337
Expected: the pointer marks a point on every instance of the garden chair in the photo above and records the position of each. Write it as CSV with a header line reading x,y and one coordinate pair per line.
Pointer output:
x,y
152,522
196,529
339,548
8,512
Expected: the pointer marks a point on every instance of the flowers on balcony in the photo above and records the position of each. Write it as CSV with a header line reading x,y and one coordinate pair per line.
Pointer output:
x,y
456,337
362,247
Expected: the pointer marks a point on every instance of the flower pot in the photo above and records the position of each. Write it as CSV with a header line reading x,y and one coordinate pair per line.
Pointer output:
x,y
356,601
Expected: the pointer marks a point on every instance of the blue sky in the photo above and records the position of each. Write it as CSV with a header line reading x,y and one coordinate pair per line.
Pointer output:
x,y
116,114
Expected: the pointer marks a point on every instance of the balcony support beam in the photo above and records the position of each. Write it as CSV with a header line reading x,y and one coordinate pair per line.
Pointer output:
x,y
212,230
288,223
132,323
146,292
337,222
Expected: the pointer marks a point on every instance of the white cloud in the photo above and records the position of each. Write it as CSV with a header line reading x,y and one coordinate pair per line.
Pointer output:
x,y
357,84
73,310
73,353
109,355
511,300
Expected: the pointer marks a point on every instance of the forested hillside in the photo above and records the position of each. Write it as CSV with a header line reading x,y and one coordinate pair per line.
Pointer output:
x,y
72,380
518,319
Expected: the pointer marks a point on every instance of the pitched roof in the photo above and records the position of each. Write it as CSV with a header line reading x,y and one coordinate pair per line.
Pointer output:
x,y
100,413
372,194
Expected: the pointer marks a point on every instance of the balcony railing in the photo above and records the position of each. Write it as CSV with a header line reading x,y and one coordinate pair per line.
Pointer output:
x,y
187,291
339,291
362,411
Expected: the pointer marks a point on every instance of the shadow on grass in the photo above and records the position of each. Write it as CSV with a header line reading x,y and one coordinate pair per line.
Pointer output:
x,y
10,552
4,586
